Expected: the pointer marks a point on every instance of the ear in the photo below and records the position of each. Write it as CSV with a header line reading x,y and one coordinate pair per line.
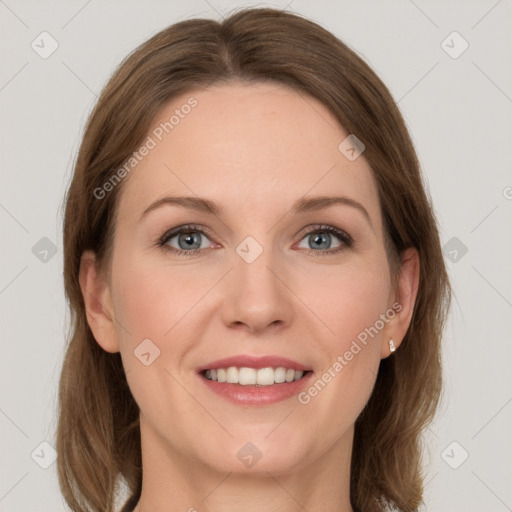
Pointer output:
x,y
403,301
98,303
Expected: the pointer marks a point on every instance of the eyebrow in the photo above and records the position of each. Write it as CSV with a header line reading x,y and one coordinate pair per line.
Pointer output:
x,y
303,205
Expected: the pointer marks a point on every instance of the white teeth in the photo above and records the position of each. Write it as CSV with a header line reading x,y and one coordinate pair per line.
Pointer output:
x,y
232,375
247,376
265,376
290,374
250,376
280,375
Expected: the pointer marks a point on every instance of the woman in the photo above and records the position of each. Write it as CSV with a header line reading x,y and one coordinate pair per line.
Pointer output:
x,y
255,278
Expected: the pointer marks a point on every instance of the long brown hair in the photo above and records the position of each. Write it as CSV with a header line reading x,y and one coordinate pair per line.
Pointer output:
x,y
98,435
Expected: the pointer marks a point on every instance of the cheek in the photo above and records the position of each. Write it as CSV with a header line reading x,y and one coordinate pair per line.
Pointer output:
x,y
150,300
349,301
156,303
351,307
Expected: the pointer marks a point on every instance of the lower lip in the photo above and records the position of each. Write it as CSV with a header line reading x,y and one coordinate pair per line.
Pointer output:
x,y
257,395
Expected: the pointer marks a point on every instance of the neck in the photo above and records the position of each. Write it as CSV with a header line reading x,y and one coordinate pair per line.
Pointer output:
x,y
175,481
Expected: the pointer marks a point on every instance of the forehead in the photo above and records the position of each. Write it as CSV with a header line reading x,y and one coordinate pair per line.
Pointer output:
x,y
248,147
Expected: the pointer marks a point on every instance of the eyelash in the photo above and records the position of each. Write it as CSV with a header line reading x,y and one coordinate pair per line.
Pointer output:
x,y
345,238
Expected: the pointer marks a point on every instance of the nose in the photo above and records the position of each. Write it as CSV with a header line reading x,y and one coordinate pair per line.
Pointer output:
x,y
257,297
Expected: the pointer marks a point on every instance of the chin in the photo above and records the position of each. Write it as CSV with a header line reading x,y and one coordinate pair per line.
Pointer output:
x,y
258,456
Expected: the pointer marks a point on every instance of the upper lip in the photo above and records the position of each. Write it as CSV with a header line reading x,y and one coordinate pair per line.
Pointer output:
x,y
247,361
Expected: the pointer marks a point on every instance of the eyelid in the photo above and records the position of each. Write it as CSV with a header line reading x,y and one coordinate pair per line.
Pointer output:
x,y
184,227
314,228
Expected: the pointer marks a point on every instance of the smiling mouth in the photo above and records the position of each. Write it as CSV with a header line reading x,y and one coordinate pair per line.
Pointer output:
x,y
254,377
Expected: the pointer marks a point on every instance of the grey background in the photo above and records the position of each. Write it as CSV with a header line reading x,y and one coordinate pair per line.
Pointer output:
x,y
458,111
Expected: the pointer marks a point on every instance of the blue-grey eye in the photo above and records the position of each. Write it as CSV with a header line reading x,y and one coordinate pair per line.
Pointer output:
x,y
319,240
190,240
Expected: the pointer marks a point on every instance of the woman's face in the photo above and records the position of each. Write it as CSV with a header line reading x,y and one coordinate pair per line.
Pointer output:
x,y
270,273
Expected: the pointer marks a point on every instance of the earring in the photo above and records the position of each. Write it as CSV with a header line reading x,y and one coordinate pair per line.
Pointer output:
x,y
392,347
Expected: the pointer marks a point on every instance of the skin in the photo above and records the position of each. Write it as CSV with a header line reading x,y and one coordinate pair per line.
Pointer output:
x,y
253,149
